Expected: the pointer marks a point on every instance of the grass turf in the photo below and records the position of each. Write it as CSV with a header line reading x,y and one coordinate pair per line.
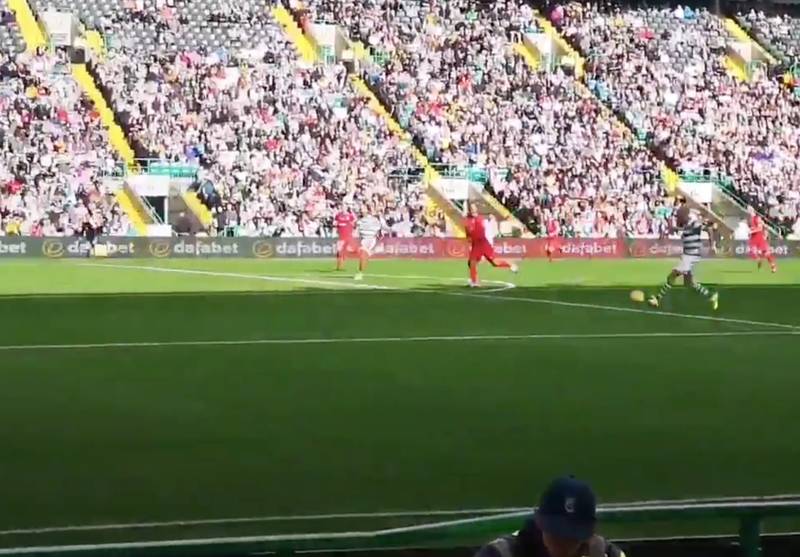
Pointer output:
x,y
167,432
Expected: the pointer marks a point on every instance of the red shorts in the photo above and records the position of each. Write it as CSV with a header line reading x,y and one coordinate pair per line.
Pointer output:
x,y
347,245
480,251
553,243
758,245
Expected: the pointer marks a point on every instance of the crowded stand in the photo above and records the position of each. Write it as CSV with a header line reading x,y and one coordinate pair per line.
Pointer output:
x,y
452,78
663,69
779,32
282,145
54,153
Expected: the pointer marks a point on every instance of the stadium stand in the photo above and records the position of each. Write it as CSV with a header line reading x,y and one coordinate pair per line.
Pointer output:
x,y
451,75
283,143
778,31
217,84
664,69
10,38
53,152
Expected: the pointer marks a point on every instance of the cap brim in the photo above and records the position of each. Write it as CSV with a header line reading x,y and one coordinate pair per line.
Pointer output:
x,y
563,527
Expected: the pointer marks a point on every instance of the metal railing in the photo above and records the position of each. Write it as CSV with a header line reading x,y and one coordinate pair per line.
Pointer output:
x,y
156,167
748,512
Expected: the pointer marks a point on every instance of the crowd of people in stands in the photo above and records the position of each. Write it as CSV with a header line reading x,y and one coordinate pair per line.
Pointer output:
x,y
283,145
664,70
452,77
53,153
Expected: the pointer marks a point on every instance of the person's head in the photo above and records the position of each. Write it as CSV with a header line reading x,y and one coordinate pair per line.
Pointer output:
x,y
566,515
751,210
473,210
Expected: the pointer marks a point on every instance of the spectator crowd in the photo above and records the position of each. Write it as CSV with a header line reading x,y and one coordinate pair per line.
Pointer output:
x,y
282,145
53,153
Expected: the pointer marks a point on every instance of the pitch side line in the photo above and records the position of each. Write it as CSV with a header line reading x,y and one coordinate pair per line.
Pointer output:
x,y
365,340
627,310
378,514
259,519
268,278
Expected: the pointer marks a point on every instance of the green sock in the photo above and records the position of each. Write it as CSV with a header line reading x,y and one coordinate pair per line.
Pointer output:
x,y
666,287
702,290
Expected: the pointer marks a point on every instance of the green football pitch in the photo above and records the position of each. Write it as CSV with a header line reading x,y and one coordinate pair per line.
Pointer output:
x,y
156,399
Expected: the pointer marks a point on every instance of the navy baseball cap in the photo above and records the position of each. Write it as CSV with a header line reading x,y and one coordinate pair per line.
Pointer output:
x,y
567,509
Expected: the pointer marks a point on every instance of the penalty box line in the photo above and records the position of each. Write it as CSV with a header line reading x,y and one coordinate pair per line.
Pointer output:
x,y
412,339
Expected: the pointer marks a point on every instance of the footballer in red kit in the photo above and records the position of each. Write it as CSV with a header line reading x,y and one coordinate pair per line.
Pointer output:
x,y
345,222
480,246
759,247
552,245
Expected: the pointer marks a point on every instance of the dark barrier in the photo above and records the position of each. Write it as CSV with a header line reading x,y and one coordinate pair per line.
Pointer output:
x,y
414,248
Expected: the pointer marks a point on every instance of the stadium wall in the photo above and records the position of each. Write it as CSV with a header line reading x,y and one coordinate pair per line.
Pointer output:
x,y
412,248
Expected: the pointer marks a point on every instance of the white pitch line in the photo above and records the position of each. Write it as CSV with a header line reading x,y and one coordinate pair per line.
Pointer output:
x,y
502,285
365,340
257,519
636,505
628,310
269,278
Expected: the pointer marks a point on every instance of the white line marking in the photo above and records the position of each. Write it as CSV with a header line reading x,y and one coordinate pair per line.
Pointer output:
x,y
365,340
502,285
379,514
627,310
430,527
258,519
328,283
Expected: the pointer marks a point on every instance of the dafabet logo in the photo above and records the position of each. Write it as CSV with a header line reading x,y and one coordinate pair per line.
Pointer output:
x,y
53,248
160,248
263,249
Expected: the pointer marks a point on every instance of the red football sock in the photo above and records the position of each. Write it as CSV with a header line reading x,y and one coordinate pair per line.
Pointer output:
x,y
473,271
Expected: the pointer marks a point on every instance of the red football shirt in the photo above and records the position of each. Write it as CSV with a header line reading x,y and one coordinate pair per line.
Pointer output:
x,y
475,229
345,222
756,227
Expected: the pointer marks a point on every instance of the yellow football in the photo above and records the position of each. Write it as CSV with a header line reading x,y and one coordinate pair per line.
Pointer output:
x,y
637,296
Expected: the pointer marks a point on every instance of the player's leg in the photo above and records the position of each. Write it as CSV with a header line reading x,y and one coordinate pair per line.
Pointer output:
x,y
494,261
766,252
548,250
341,248
364,251
701,289
473,271
655,300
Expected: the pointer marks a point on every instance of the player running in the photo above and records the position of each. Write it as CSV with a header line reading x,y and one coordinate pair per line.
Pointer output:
x,y
552,244
692,228
481,246
369,228
345,221
759,247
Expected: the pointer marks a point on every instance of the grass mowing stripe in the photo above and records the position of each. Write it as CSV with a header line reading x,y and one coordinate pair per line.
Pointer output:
x,y
628,310
364,340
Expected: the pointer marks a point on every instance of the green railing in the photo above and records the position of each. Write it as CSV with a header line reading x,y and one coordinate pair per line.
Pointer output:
x,y
748,512
157,167
475,174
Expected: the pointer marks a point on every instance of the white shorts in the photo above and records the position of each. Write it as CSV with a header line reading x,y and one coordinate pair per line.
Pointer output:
x,y
368,245
687,263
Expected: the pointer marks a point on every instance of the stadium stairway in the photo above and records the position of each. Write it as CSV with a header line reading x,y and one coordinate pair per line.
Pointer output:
x,y
126,198
737,67
669,175
28,24
307,48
